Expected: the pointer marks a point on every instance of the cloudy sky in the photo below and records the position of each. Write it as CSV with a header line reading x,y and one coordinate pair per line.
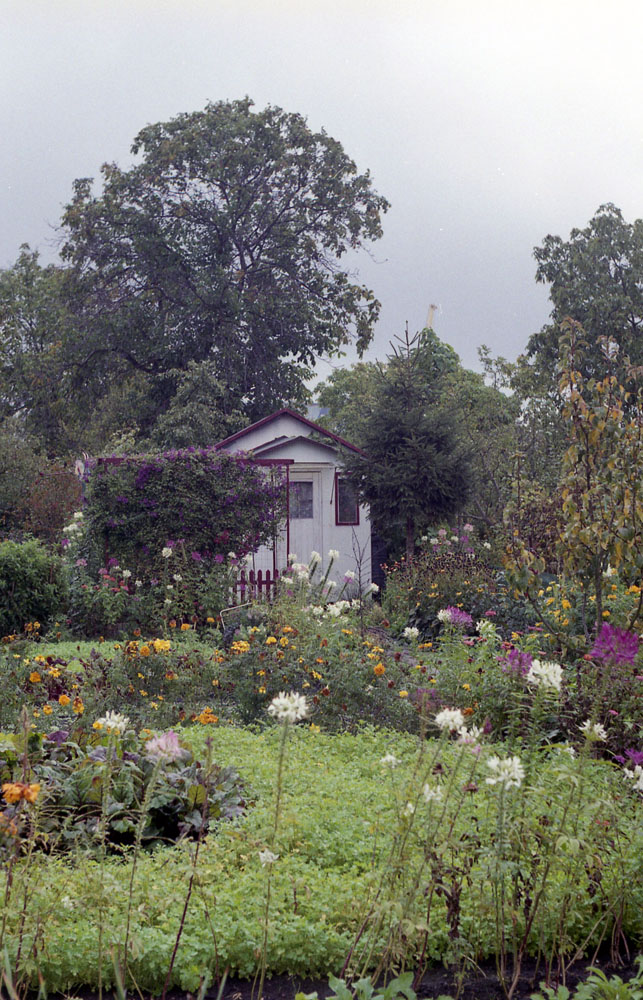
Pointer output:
x,y
486,123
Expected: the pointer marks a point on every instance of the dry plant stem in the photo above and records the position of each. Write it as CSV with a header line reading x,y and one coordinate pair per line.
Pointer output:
x,y
195,861
266,916
137,848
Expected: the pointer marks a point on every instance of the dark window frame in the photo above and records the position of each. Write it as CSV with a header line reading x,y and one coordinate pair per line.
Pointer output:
x,y
340,477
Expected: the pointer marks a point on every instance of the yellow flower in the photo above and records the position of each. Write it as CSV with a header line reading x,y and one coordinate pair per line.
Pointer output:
x,y
47,709
606,614
39,659
161,645
145,650
467,687
64,700
35,677
78,706
379,669
210,621
287,629
313,728
97,725
143,693
404,694
283,641
185,627
261,690
53,672
565,604
207,717
14,791
270,641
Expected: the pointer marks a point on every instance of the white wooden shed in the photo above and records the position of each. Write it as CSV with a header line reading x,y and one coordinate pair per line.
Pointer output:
x,y
323,512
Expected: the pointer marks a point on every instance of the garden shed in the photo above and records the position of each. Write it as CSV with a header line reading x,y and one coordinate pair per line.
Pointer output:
x,y
322,510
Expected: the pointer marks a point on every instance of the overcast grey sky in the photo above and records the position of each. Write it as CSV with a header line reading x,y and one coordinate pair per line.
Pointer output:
x,y
486,123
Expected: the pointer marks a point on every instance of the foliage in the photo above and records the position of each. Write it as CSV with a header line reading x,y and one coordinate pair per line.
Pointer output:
x,y
54,495
413,464
19,465
211,501
112,773
602,512
595,278
222,246
32,585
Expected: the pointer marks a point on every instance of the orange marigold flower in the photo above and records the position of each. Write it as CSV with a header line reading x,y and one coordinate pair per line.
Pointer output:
x,y
210,621
379,669
64,700
207,716
145,650
47,709
271,641
14,791
185,627
35,677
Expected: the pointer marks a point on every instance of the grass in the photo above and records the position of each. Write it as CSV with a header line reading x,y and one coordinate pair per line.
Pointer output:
x,y
341,811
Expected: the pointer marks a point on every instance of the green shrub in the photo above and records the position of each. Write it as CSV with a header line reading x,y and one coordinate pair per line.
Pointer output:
x,y
32,585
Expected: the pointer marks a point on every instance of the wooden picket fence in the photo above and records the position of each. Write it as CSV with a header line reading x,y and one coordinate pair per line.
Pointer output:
x,y
253,585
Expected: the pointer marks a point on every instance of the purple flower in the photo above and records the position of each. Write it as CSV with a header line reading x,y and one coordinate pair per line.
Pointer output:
x,y
81,562
616,646
196,556
218,558
455,616
632,757
516,663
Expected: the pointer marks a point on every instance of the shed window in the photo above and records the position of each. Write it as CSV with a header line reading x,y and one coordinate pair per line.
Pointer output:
x,y
346,504
301,499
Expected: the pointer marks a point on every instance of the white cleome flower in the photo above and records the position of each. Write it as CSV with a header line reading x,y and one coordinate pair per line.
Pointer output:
x,y
434,541
292,557
507,772
450,719
444,616
593,731
333,555
113,722
636,776
432,794
314,559
389,760
126,574
267,857
166,552
288,707
138,583
485,628
372,589
469,736
349,575
545,674
411,633
409,809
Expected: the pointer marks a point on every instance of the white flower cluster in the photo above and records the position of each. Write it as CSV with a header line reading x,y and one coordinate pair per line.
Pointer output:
x,y
432,794
593,731
389,760
545,674
166,552
333,555
77,526
411,633
267,857
113,722
338,608
444,616
486,629
450,719
165,748
470,736
314,559
636,776
507,772
288,707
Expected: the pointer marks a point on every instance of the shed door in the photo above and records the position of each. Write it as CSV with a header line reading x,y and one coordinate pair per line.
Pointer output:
x,y
306,522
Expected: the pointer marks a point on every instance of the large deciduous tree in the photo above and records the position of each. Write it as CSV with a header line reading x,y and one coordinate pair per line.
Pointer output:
x,y
223,246
595,279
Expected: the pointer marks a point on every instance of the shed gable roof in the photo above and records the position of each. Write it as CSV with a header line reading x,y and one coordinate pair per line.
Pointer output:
x,y
306,424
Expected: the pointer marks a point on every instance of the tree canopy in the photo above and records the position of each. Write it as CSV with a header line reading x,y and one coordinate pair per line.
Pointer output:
x,y
415,472
223,246
595,279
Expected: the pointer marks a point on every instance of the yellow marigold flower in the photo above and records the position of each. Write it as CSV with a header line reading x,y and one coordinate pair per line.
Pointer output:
x,y
606,614
379,669
270,641
207,717
313,728
565,604
316,675
64,700
185,627
39,659
210,621
35,677
161,645
14,791
145,650
47,709
287,629
261,673
53,672
78,706
404,694
142,693
36,625
261,690
347,631
466,687
283,641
